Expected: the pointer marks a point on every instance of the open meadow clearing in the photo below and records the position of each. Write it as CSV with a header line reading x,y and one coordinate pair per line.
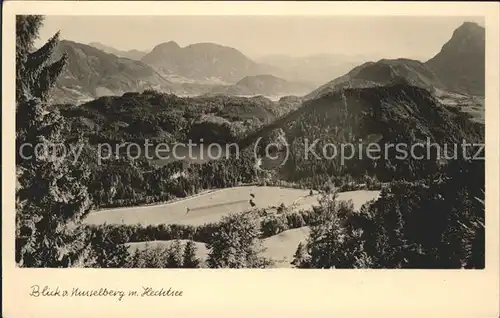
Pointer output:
x,y
203,208
280,248
212,206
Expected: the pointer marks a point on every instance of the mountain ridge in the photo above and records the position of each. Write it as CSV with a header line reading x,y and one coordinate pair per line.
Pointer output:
x,y
381,73
133,54
92,73
264,84
203,61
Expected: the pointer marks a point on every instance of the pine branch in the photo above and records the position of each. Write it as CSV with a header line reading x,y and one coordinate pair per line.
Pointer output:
x,y
48,78
38,60
27,30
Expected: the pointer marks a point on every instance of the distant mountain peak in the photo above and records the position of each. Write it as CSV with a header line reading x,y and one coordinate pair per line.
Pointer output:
x,y
167,46
467,25
468,31
207,44
460,62
202,61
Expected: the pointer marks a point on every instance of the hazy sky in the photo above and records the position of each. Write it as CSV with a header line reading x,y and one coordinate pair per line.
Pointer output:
x,y
375,37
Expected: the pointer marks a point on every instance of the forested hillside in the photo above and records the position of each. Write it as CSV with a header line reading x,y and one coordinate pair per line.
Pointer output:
x,y
160,117
396,114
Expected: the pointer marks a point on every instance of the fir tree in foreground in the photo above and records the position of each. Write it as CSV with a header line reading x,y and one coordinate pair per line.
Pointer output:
x,y
189,259
300,257
174,255
51,197
236,244
169,256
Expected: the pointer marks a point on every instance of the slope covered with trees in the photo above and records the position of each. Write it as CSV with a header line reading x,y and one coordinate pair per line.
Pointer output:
x,y
437,222
167,118
399,114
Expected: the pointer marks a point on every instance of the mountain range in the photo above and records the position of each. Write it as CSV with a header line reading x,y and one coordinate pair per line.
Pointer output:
x,y
458,68
93,73
206,68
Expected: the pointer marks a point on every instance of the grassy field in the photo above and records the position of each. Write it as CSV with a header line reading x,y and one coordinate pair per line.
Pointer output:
x,y
212,206
279,248
282,246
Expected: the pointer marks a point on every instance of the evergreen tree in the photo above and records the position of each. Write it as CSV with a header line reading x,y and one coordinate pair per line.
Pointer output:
x,y
236,244
328,239
273,224
174,255
51,198
189,259
107,254
135,260
156,257
476,258
300,259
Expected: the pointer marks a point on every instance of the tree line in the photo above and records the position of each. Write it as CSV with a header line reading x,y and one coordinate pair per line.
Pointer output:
x,y
433,223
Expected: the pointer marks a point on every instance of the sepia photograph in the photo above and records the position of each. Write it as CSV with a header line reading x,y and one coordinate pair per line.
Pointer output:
x,y
251,141
216,143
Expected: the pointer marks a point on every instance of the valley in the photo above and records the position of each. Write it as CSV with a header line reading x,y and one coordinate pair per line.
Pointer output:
x,y
212,206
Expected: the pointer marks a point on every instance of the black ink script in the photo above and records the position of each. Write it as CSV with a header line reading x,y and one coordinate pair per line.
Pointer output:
x,y
149,291
46,291
101,292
